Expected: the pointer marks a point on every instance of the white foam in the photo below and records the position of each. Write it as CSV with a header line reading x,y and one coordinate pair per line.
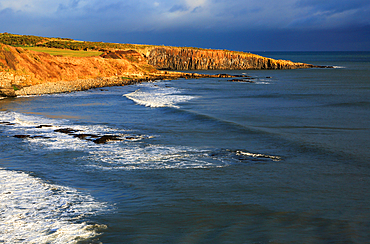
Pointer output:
x,y
26,120
23,96
134,157
125,154
23,124
339,67
33,211
262,82
258,155
158,96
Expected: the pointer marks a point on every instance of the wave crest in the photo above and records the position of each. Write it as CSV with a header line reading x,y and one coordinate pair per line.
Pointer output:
x,y
36,212
156,96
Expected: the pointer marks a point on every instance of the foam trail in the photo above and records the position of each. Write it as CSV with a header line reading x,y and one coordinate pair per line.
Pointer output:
x,y
36,212
258,155
156,96
137,157
128,153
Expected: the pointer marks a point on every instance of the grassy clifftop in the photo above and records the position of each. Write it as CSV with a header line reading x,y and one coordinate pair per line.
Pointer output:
x,y
30,60
63,43
36,43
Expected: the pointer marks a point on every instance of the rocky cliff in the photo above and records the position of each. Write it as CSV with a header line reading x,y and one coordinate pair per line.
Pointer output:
x,y
203,59
24,72
20,68
23,68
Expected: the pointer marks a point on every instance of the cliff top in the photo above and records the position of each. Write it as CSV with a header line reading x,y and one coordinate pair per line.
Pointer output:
x,y
31,60
29,41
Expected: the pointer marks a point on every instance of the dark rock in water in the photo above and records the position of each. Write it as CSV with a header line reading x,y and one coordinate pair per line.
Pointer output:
x,y
6,123
21,136
223,75
29,136
41,126
66,130
268,77
85,136
106,138
132,137
43,137
324,67
241,80
230,76
80,136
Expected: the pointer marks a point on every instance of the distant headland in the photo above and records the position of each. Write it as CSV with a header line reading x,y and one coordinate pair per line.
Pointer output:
x,y
33,65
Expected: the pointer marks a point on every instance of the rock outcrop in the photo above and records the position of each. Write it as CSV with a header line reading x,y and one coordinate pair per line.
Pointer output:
x,y
25,72
23,68
202,59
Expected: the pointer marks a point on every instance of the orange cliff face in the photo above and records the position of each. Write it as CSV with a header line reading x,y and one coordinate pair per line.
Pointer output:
x,y
202,59
20,67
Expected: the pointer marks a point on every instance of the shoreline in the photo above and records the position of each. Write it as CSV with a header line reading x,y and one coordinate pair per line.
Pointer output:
x,y
101,82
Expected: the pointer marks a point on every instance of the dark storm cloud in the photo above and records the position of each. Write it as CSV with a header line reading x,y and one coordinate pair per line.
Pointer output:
x,y
188,21
334,5
330,13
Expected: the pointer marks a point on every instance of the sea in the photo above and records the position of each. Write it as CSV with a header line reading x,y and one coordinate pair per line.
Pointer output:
x,y
283,157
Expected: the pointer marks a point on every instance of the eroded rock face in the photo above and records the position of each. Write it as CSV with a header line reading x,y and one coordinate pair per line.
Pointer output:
x,y
23,68
194,59
131,55
9,83
7,92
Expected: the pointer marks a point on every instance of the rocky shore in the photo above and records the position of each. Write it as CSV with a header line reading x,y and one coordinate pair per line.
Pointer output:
x,y
25,72
85,84
70,86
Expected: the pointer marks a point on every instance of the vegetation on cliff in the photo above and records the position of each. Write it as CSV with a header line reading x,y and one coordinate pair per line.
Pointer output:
x,y
31,60
62,43
65,52
25,40
161,57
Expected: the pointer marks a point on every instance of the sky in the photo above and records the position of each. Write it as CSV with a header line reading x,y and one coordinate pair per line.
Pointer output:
x,y
243,25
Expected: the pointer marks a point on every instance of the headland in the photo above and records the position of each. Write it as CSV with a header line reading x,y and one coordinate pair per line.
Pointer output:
x,y
32,65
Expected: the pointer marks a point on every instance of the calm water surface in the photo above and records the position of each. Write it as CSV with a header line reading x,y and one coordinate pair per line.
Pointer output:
x,y
284,159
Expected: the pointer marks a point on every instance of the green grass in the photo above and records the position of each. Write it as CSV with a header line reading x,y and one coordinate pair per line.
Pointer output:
x,y
64,52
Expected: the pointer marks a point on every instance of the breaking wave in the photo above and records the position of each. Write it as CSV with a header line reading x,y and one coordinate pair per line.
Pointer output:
x,y
116,149
158,95
33,211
